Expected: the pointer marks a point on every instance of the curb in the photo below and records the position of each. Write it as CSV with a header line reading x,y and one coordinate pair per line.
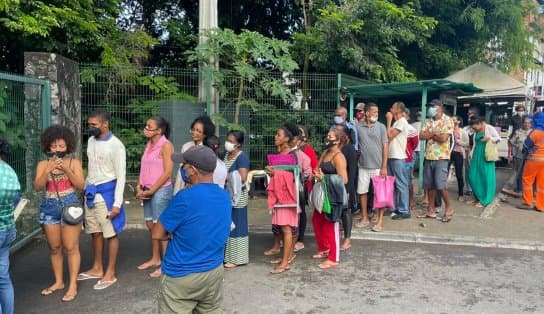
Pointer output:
x,y
411,237
444,239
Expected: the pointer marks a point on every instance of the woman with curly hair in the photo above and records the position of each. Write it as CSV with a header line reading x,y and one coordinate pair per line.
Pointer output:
x,y
60,175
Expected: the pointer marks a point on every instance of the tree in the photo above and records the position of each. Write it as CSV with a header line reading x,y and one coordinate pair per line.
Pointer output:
x,y
492,31
251,60
363,38
82,30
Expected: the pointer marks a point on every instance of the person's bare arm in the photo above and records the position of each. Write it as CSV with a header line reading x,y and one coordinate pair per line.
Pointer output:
x,y
74,171
341,167
385,155
168,165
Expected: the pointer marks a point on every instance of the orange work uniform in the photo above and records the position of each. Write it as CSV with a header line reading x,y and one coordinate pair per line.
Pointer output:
x,y
533,171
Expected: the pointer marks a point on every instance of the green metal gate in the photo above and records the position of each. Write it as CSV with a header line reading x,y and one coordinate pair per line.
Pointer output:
x,y
25,111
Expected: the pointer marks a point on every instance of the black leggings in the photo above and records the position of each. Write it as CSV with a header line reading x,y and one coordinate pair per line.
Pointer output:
x,y
347,222
457,160
302,218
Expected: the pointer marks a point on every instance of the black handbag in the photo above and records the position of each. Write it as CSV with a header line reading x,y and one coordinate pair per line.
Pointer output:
x,y
72,213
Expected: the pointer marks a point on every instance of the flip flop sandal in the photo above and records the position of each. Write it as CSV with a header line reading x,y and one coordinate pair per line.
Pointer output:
x,y
327,265
156,273
49,291
361,224
376,229
68,298
279,270
101,285
86,276
479,205
147,265
320,255
230,265
278,260
272,252
426,216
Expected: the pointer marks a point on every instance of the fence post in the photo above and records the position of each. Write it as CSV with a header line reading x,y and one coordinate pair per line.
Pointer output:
x,y
210,110
62,95
339,89
46,105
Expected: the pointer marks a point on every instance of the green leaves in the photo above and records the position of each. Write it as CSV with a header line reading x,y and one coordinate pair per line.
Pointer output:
x,y
364,37
249,67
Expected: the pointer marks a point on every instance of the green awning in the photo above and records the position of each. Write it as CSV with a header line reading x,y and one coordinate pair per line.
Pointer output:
x,y
409,88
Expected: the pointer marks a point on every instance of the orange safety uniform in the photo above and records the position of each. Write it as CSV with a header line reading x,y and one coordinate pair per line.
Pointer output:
x,y
533,171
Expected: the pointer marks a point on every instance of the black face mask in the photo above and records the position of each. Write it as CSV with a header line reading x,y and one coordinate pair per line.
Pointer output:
x,y
58,154
328,143
94,131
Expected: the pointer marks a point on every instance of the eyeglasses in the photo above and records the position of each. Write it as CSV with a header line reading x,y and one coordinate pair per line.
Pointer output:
x,y
150,129
197,130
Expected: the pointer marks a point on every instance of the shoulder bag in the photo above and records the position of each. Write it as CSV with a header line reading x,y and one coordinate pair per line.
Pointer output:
x,y
72,213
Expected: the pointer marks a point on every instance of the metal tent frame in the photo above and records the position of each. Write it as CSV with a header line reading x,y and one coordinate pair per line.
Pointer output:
x,y
422,87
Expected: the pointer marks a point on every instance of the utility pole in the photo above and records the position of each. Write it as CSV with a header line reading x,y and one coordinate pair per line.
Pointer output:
x,y
207,19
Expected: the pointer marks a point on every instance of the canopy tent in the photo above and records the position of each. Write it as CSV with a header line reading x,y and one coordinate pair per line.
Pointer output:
x,y
409,88
497,86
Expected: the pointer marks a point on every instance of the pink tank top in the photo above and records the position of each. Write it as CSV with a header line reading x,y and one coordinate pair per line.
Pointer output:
x,y
152,164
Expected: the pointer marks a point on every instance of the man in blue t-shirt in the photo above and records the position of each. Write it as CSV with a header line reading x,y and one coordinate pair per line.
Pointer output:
x,y
197,223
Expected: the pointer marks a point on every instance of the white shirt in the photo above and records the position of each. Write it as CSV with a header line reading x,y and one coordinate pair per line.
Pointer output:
x,y
220,173
397,146
107,162
417,126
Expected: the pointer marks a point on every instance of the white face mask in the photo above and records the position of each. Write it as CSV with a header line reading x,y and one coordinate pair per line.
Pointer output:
x,y
338,120
229,147
373,119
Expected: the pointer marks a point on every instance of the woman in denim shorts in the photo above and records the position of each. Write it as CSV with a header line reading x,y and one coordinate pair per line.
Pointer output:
x,y
154,184
60,175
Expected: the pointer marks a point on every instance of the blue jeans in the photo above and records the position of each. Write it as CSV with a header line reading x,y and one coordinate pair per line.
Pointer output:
x,y
397,168
154,207
6,287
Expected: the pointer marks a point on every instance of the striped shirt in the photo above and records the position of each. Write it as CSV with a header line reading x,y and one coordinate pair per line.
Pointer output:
x,y
9,189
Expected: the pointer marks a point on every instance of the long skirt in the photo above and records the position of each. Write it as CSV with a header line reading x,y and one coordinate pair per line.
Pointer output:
x,y
481,175
237,249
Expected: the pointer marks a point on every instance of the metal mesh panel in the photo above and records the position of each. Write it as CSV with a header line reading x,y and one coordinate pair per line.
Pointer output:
x,y
132,95
261,121
22,107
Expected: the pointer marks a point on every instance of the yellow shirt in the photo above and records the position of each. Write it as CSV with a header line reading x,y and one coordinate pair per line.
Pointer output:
x,y
433,149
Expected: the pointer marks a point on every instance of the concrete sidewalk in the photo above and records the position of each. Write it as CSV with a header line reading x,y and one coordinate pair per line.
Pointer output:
x,y
499,225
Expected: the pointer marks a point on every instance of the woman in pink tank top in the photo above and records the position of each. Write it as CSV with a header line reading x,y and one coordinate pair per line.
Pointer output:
x,y
154,184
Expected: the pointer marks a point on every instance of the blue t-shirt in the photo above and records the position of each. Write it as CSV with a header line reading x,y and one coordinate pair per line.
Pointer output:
x,y
199,219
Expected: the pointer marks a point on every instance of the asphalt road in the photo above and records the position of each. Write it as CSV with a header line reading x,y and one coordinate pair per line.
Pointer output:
x,y
373,277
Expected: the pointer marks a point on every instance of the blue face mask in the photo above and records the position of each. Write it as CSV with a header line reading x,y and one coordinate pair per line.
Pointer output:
x,y
184,176
431,112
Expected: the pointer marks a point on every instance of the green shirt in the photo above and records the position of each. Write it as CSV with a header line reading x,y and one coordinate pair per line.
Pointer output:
x,y
9,189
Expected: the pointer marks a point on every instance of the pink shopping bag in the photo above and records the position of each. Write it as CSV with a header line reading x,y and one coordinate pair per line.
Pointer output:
x,y
383,191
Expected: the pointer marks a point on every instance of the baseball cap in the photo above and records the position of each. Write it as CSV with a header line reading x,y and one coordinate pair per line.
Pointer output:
x,y
200,156
360,106
435,102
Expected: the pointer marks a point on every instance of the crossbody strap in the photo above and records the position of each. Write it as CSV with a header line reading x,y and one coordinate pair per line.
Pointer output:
x,y
56,189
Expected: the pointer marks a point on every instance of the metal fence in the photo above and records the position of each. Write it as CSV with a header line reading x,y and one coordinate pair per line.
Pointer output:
x,y
25,105
132,95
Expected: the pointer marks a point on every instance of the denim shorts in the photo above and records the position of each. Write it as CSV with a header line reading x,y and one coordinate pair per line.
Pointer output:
x,y
154,207
51,209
